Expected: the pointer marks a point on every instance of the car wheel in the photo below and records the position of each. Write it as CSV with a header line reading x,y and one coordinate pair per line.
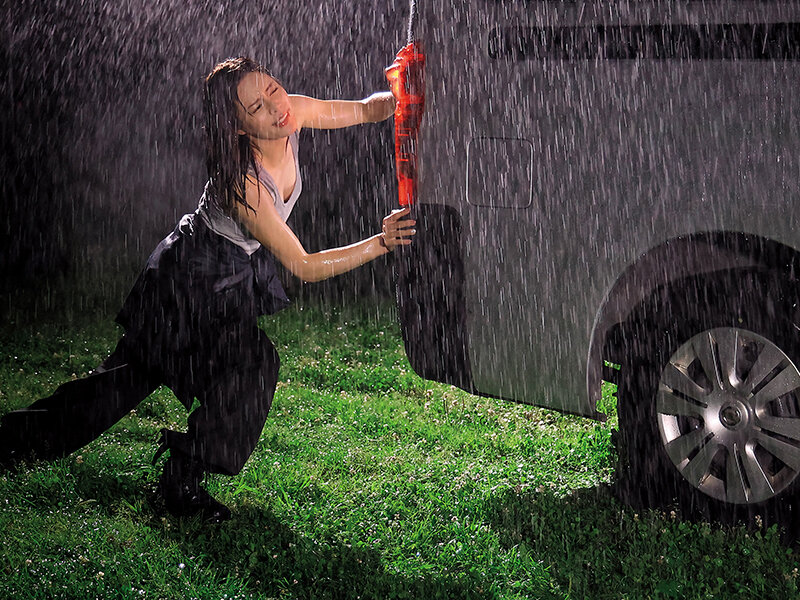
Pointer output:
x,y
709,400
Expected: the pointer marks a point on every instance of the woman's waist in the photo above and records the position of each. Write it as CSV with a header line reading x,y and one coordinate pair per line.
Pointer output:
x,y
223,225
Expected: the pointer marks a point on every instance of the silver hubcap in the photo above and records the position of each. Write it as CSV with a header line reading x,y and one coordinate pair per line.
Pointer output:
x,y
729,415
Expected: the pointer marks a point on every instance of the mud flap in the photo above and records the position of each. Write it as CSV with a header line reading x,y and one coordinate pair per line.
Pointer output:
x,y
431,300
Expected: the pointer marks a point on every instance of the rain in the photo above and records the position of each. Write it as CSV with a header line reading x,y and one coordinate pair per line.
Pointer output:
x,y
102,117
605,198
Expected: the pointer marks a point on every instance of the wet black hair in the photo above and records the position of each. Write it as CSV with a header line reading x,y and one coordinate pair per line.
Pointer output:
x,y
229,154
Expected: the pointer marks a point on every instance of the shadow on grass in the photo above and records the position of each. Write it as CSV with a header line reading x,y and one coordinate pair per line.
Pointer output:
x,y
269,557
591,545
597,547
273,559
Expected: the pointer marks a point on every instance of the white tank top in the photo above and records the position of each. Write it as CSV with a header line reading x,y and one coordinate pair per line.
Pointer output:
x,y
225,226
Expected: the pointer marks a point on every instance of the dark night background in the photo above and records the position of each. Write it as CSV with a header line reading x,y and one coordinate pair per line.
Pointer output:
x,y
100,113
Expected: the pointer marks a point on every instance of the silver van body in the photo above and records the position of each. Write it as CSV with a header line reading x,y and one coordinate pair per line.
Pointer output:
x,y
579,175
609,190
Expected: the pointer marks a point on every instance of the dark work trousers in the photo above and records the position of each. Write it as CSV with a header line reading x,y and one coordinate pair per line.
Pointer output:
x,y
234,403
221,432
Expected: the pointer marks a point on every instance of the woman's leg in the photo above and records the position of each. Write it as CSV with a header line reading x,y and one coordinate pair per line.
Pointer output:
x,y
223,431
78,411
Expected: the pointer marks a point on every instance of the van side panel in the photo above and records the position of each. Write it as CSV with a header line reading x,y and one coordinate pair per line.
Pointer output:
x,y
625,154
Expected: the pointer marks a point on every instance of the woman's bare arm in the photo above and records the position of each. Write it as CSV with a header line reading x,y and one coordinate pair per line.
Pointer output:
x,y
268,228
334,114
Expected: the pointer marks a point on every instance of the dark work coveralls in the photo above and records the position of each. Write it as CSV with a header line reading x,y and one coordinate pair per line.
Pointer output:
x,y
190,324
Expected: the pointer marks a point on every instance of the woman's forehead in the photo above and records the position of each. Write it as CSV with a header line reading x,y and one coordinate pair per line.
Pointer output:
x,y
251,85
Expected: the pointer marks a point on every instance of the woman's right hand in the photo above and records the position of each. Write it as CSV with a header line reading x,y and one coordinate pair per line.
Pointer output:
x,y
396,230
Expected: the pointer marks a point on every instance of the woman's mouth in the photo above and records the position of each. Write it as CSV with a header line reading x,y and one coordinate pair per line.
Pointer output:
x,y
283,121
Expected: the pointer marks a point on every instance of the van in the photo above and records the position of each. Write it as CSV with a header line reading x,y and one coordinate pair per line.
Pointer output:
x,y
610,191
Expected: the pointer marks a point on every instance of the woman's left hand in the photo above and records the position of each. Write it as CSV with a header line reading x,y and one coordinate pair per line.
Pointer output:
x,y
379,106
397,232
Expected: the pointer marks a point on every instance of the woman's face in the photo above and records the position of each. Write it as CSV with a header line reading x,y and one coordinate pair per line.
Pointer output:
x,y
264,110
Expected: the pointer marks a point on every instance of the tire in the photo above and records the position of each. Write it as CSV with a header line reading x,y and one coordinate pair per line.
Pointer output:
x,y
709,400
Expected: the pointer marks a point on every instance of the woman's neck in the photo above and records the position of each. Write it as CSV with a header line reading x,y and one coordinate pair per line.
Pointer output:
x,y
271,152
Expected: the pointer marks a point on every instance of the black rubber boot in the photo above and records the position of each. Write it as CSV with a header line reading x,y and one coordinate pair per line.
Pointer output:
x,y
183,495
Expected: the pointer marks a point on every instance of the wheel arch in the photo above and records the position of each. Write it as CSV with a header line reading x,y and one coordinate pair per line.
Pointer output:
x,y
676,259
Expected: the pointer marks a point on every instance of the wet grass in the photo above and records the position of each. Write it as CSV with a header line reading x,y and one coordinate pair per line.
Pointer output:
x,y
368,482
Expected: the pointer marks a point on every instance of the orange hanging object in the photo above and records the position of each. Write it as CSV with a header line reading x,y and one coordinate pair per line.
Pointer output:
x,y
407,82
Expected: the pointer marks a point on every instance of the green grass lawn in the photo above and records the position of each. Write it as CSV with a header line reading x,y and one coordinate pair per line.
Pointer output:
x,y
368,482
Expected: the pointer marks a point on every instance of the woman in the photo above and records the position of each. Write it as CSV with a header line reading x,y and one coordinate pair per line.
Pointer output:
x,y
191,319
